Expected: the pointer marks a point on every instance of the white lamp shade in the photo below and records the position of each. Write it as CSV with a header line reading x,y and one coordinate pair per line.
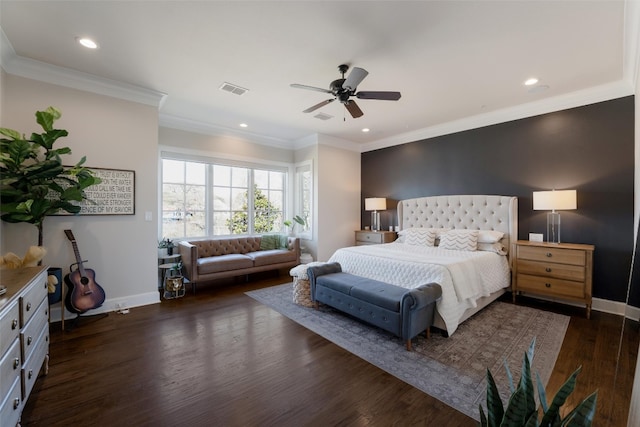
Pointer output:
x,y
554,200
375,204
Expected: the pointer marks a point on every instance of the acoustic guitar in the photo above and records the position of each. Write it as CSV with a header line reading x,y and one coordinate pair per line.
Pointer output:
x,y
84,293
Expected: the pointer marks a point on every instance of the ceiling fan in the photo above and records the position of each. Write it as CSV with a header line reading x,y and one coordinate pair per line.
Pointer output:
x,y
343,89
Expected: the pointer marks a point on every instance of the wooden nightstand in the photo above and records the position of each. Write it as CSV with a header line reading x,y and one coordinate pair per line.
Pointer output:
x,y
558,270
367,237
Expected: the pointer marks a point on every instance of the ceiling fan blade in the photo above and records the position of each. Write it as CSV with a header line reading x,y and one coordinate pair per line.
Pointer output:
x,y
322,104
317,89
355,77
353,108
385,96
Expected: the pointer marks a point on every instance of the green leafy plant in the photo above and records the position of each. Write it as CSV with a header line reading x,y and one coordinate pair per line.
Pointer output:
x,y
292,223
33,181
521,409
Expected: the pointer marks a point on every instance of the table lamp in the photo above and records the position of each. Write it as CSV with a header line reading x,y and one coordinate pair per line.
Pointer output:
x,y
554,200
375,204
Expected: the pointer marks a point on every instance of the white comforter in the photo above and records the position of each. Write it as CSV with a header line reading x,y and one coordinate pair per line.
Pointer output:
x,y
464,276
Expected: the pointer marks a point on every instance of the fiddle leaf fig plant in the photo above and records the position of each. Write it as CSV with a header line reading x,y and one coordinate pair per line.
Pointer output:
x,y
33,181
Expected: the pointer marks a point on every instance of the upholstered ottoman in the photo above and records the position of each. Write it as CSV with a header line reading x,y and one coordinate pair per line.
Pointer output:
x,y
403,312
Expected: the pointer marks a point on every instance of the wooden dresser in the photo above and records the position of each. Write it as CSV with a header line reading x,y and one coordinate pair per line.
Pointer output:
x,y
24,338
367,237
554,270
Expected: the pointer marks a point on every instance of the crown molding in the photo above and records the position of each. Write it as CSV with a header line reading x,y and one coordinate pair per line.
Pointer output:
x,y
580,98
66,77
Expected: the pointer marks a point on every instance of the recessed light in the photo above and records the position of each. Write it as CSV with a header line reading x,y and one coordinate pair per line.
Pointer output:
x,y
87,42
531,81
365,130
244,125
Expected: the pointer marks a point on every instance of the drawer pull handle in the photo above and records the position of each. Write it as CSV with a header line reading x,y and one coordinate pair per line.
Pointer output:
x,y
14,324
29,339
16,363
30,373
548,269
16,403
28,306
548,285
549,254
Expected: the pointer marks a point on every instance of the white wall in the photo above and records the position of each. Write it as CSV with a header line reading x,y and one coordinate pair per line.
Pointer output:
x,y
338,201
111,133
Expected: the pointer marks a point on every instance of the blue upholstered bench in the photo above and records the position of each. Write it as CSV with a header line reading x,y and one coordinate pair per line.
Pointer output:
x,y
403,312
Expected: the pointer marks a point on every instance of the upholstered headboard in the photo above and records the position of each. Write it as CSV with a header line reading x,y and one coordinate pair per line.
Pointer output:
x,y
473,212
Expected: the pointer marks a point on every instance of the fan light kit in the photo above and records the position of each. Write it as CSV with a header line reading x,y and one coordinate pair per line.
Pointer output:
x,y
343,89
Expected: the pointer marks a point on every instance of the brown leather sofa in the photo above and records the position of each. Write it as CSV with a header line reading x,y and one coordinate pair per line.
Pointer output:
x,y
210,259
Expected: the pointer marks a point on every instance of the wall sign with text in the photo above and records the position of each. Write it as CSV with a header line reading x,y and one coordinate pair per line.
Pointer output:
x,y
115,195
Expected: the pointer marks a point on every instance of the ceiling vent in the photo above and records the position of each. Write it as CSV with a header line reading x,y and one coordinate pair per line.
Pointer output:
x,y
235,89
323,116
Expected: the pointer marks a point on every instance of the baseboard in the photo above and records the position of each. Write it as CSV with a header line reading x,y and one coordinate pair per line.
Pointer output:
x,y
602,305
112,304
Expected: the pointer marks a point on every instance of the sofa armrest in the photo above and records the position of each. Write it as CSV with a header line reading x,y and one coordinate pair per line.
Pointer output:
x,y
293,244
189,254
314,272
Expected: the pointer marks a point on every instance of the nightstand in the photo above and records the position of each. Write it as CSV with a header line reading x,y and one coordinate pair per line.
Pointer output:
x,y
557,270
367,237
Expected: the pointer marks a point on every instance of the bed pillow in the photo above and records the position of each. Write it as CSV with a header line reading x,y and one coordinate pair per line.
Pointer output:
x,y
460,240
489,236
418,236
497,248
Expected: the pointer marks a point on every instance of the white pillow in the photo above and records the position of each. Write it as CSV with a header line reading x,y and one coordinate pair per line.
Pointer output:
x,y
460,240
418,236
489,236
492,247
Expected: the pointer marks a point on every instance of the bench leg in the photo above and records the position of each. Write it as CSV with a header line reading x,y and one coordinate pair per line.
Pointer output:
x,y
428,333
408,345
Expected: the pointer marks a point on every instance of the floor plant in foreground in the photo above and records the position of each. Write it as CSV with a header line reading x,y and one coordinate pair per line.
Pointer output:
x,y
521,409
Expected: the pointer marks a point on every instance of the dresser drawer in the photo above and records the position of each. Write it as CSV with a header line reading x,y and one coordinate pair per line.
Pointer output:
x,y
10,367
550,269
30,333
561,256
32,298
369,237
33,364
12,406
550,286
9,326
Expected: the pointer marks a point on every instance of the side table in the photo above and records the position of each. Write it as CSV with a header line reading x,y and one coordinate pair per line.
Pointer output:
x,y
172,284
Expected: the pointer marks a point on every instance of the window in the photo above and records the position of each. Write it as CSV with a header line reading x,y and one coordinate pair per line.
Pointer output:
x,y
304,197
207,198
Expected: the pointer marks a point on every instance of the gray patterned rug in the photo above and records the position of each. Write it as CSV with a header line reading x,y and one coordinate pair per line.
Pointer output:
x,y
452,369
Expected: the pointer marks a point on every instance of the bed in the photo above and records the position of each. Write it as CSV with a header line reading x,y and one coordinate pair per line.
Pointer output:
x,y
436,244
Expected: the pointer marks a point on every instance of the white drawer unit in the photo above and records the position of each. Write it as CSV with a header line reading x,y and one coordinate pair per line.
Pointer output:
x,y
366,237
24,338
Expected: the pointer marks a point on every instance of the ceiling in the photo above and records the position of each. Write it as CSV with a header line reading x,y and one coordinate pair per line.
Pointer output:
x,y
454,62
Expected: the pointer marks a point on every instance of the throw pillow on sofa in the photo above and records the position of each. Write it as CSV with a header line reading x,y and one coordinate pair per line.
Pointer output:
x,y
273,241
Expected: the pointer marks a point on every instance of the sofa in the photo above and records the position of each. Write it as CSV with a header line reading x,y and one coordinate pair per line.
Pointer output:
x,y
403,312
217,258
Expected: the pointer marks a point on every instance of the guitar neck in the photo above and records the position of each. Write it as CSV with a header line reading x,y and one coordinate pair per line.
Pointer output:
x,y
76,252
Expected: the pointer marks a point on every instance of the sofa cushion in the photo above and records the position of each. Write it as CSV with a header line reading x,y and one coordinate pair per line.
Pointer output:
x,y
224,263
274,256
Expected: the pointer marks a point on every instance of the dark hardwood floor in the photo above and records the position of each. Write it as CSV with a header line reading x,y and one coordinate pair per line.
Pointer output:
x,y
219,358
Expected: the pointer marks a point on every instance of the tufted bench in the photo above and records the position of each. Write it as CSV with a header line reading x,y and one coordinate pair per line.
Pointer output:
x,y
403,312
210,259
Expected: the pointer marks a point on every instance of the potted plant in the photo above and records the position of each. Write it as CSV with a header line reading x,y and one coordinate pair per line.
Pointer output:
x,y
165,247
33,181
291,224
521,409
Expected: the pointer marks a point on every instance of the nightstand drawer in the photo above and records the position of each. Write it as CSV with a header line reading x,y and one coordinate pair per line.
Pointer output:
x,y
369,237
550,286
550,269
547,254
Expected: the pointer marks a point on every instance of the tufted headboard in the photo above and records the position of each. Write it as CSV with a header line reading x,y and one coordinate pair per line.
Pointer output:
x,y
474,212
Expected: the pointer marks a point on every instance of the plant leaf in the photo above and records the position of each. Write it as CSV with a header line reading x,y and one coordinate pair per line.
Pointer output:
x,y
495,408
552,414
13,134
582,415
542,394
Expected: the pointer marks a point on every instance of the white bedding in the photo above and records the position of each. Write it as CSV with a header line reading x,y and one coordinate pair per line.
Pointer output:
x,y
464,275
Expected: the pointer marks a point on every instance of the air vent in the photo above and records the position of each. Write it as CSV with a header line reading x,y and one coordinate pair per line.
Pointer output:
x,y
323,116
235,89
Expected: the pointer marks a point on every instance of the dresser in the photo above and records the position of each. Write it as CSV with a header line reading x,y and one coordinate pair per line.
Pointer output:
x,y
24,338
367,237
554,270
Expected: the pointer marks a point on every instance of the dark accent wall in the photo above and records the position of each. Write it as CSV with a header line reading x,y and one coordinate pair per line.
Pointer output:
x,y
589,148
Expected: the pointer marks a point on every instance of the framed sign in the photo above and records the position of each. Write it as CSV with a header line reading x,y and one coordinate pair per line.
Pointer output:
x,y
115,195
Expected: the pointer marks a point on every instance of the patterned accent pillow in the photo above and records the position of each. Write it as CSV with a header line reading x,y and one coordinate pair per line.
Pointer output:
x,y
460,240
419,237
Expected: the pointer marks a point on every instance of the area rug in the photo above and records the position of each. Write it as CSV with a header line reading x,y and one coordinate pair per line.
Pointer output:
x,y
451,369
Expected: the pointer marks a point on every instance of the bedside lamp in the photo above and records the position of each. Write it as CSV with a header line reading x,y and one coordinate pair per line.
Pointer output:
x,y
554,200
375,204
